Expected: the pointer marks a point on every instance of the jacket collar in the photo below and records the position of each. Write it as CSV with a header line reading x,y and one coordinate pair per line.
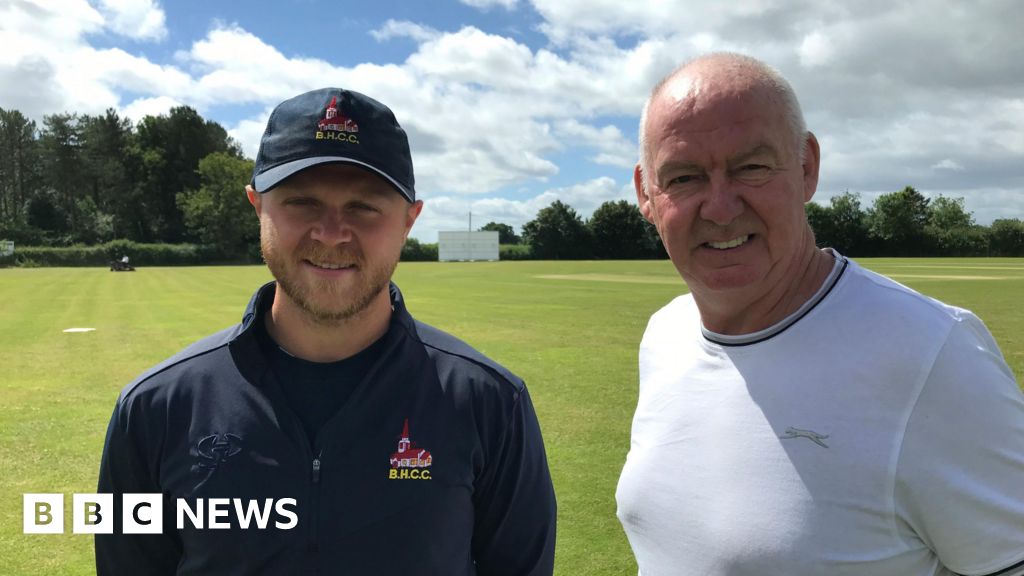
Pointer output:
x,y
245,348
261,301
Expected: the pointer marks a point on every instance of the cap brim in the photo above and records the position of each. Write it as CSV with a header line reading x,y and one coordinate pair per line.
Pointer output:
x,y
266,181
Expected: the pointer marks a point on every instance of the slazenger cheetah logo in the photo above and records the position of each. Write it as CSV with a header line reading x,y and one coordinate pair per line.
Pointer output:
x,y
409,462
811,435
217,448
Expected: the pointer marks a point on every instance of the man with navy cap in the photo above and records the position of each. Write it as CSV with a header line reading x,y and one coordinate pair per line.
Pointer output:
x,y
330,432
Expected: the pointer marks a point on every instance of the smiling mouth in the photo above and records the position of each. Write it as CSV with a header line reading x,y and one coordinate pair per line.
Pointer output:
x,y
329,265
734,243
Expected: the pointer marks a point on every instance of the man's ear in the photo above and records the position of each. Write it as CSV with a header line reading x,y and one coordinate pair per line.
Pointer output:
x,y
254,198
411,215
812,162
643,198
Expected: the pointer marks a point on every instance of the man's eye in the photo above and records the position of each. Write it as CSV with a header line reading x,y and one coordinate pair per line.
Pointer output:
x,y
360,207
753,173
684,179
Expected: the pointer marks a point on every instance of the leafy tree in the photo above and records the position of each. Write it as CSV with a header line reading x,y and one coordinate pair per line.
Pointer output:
x,y
172,147
112,165
898,220
1006,237
849,224
655,248
951,230
618,231
219,213
415,251
93,226
19,165
840,225
820,219
43,211
506,234
557,233
62,163
949,213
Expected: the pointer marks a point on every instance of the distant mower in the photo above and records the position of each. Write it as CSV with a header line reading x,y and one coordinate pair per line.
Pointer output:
x,y
119,266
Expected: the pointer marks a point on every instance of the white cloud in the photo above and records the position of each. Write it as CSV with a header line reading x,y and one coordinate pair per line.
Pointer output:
x,y
614,149
143,107
48,66
485,4
948,164
452,213
404,29
898,94
471,55
815,50
138,19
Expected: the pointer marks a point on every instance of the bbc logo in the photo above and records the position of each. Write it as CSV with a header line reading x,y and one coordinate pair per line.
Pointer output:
x,y
143,513
92,513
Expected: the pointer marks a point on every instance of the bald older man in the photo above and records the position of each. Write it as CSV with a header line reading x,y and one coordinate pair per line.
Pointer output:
x,y
798,414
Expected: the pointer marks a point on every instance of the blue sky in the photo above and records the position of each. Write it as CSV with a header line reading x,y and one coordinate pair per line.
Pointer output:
x,y
512,104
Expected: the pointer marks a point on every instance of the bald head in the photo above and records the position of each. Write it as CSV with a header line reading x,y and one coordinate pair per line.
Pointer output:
x,y
699,82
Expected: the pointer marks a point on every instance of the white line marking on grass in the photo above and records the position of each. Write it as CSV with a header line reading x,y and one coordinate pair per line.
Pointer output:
x,y
74,330
627,278
951,277
956,267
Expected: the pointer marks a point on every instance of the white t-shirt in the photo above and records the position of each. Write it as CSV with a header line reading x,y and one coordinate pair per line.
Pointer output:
x,y
874,432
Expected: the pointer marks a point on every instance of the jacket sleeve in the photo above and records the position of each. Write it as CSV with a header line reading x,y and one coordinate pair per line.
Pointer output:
x,y
123,469
514,529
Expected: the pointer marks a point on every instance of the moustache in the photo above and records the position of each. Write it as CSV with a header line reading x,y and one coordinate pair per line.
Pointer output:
x,y
341,257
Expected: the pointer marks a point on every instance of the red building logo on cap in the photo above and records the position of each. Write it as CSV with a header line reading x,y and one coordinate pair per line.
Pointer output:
x,y
410,462
334,121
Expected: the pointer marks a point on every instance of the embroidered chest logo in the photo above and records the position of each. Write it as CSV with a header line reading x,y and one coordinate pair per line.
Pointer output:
x,y
336,126
215,449
811,435
410,462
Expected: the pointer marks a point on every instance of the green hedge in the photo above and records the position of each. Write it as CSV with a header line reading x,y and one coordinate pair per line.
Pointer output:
x,y
514,252
416,251
192,254
102,254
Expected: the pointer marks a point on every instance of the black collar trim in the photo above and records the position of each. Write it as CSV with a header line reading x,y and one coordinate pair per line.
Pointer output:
x,y
831,281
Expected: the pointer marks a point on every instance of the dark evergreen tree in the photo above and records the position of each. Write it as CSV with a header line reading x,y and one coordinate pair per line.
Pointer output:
x,y
619,232
557,233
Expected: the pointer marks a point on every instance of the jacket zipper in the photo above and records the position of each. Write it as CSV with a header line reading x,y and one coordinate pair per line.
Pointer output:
x,y
314,524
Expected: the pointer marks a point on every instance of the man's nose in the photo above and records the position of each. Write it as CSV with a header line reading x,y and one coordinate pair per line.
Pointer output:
x,y
332,228
722,203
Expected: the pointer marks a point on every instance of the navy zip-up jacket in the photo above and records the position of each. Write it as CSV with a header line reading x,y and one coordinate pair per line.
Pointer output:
x,y
434,465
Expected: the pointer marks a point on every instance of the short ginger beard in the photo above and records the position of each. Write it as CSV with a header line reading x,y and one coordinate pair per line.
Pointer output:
x,y
375,280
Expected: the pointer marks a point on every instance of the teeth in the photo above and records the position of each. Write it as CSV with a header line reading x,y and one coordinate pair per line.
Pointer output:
x,y
730,244
327,266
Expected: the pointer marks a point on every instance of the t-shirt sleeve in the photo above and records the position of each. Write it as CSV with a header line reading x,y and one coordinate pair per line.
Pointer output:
x,y
960,476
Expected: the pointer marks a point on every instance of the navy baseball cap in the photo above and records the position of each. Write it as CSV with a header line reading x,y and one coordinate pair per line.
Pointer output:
x,y
333,126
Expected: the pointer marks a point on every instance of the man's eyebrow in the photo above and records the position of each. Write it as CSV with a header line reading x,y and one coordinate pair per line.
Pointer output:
x,y
758,150
676,166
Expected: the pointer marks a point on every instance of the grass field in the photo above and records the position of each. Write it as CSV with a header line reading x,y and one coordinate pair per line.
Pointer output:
x,y
570,329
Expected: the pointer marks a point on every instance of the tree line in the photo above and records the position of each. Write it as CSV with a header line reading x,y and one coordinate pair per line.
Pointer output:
x,y
902,223
907,223
176,178
83,179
